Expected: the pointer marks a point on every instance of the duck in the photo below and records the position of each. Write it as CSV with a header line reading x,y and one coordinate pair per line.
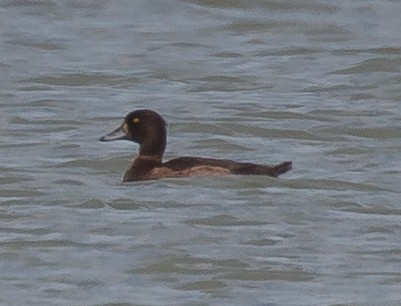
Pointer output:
x,y
148,129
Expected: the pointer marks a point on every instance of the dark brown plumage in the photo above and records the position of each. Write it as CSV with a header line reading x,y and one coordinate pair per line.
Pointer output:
x,y
148,129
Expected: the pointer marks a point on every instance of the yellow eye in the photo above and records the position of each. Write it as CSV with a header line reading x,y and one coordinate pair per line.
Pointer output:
x,y
135,120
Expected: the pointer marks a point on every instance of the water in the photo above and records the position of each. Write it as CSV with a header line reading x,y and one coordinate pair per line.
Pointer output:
x,y
315,82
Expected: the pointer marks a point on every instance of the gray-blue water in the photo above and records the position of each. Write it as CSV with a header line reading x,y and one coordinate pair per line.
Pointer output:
x,y
315,82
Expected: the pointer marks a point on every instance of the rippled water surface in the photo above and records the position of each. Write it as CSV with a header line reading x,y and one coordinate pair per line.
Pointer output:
x,y
315,82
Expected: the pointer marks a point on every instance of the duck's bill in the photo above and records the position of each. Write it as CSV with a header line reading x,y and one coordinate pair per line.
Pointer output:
x,y
119,133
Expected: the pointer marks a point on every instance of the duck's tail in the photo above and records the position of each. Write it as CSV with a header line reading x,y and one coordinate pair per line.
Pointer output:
x,y
282,168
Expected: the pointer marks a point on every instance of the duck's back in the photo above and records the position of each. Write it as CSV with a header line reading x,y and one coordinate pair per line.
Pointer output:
x,y
227,166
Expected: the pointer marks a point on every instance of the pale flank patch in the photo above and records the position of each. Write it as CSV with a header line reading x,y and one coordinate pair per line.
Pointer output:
x,y
194,171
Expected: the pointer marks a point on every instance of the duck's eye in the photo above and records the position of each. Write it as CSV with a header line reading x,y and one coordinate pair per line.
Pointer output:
x,y
135,120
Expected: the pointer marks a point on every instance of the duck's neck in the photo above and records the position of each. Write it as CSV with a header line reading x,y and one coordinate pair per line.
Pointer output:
x,y
153,147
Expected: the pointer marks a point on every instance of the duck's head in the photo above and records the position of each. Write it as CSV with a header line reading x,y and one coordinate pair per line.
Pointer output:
x,y
145,127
